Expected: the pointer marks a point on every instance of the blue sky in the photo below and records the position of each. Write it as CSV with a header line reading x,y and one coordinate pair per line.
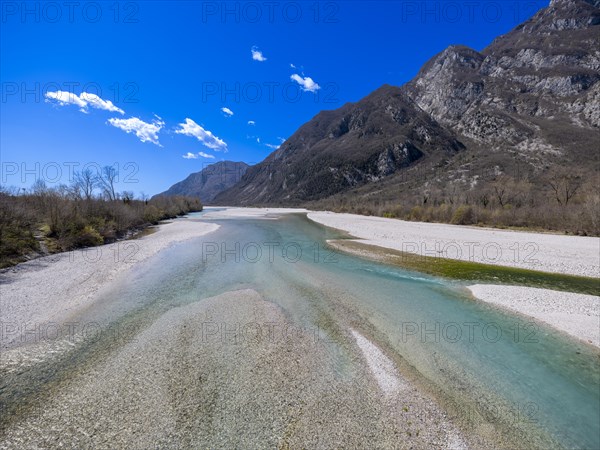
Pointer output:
x,y
140,85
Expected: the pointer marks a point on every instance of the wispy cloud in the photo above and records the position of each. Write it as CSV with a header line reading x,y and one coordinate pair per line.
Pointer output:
x,y
65,98
306,83
257,54
276,146
251,122
83,100
190,155
227,112
191,128
146,132
96,102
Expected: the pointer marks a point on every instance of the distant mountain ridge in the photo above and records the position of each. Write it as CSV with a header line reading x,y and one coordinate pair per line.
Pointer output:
x,y
209,182
530,101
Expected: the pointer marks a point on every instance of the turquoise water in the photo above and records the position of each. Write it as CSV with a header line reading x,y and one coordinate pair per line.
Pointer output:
x,y
497,367
489,368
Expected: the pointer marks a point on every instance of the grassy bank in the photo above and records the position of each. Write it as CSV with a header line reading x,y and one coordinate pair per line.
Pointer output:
x,y
471,271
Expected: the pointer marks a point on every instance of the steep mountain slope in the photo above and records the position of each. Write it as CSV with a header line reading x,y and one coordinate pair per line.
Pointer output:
x,y
527,106
358,143
209,182
533,91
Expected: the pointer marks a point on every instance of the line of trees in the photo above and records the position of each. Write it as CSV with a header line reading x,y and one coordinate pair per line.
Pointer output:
x,y
563,202
87,212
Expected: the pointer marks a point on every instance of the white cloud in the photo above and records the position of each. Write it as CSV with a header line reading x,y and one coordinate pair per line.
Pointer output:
x,y
84,100
191,155
191,128
275,146
257,55
146,132
96,102
306,83
251,122
227,111
258,140
65,98
292,66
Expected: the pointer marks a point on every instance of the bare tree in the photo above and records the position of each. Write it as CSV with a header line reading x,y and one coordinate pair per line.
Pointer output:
x,y
106,180
127,196
484,199
565,187
521,193
39,193
144,197
39,187
500,193
452,195
62,190
85,182
10,190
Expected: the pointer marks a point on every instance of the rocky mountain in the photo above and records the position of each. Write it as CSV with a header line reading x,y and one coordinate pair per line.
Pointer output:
x,y
533,91
356,144
529,102
209,182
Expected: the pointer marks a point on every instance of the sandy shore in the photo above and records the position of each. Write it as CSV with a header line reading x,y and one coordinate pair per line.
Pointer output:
x,y
573,255
575,314
52,288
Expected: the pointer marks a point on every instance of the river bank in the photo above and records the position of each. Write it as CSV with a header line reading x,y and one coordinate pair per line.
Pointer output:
x,y
53,288
575,314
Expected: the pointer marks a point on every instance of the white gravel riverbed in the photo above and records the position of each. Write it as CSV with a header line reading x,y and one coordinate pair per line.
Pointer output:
x,y
53,288
575,314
